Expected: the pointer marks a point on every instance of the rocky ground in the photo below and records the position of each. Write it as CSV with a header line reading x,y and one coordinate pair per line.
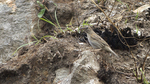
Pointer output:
x,y
69,59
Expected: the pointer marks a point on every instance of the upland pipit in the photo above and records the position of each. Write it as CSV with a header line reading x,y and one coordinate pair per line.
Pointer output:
x,y
96,41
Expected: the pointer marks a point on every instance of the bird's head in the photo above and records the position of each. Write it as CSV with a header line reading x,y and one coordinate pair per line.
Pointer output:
x,y
87,29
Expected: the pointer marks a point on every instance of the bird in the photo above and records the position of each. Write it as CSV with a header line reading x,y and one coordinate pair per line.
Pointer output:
x,y
96,41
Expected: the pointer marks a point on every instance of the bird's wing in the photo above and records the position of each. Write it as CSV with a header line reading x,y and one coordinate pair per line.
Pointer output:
x,y
95,44
103,42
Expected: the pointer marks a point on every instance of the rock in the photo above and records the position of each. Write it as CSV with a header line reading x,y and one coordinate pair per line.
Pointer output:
x,y
15,23
83,71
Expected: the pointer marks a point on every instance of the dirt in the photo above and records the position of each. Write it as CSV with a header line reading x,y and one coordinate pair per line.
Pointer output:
x,y
38,63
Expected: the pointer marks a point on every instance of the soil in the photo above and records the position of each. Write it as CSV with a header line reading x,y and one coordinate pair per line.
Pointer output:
x,y
38,63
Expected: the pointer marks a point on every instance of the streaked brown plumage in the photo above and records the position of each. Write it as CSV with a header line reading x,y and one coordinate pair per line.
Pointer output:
x,y
96,41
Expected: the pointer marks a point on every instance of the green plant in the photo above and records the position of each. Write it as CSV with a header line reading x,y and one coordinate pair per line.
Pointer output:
x,y
46,20
126,20
68,28
144,78
137,29
23,46
98,1
44,37
57,19
41,13
85,23
137,15
37,41
141,78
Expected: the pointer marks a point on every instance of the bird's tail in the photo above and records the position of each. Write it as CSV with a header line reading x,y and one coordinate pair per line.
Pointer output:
x,y
113,52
